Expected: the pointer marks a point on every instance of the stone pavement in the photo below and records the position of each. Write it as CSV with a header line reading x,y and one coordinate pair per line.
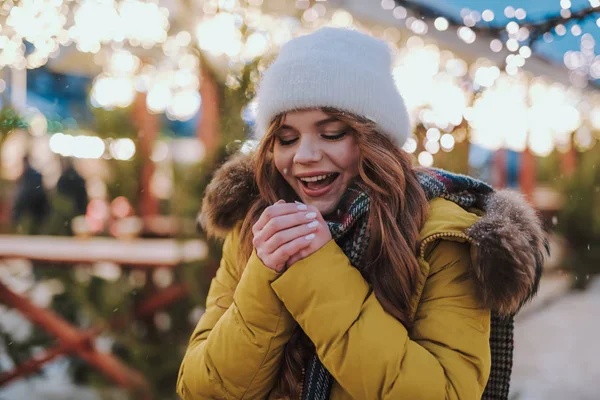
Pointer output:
x,y
557,345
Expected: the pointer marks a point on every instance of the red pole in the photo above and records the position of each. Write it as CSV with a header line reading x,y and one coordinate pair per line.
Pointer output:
x,y
147,125
500,168
528,173
208,129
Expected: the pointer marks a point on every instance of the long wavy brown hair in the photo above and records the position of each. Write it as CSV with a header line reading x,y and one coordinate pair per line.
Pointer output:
x,y
398,210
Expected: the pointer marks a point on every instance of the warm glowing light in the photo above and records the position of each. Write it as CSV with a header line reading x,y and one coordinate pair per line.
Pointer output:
x,y
509,12
77,146
110,91
496,45
466,34
425,159
388,4
433,134
487,15
184,105
525,51
122,149
342,18
447,141
220,35
410,146
441,24
400,12
520,14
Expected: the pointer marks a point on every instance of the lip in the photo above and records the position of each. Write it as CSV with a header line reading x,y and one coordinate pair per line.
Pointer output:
x,y
317,192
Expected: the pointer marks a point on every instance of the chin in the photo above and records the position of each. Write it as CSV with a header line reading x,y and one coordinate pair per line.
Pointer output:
x,y
325,206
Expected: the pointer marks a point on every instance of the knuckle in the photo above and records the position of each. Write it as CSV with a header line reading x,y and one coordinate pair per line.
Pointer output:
x,y
276,224
268,212
283,252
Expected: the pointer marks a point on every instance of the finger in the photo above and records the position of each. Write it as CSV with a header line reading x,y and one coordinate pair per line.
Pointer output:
x,y
287,235
315,210
283,253
276,210
285,222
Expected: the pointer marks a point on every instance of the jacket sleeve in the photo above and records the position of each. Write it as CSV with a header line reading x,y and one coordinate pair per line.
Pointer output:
x,y
370,353
236,347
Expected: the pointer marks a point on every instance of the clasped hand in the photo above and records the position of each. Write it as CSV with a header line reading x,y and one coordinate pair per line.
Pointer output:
x,y
288,232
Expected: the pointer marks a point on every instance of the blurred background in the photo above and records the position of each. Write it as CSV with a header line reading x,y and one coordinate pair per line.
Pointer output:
x,y
114,114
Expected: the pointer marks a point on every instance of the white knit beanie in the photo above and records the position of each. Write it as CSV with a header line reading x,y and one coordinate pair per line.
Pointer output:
x,y
338,68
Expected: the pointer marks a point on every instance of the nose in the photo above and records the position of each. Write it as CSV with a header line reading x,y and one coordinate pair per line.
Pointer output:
x,y
307,152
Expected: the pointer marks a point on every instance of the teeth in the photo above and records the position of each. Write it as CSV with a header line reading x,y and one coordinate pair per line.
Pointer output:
x,y
315,178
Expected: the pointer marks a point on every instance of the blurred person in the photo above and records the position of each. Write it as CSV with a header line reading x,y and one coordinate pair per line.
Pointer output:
x,y
31,206
71,185
69,201
347,273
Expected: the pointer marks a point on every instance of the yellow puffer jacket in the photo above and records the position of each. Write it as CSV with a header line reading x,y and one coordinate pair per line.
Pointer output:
x,y
236,349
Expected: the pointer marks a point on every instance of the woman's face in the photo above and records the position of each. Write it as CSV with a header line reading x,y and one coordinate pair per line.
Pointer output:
x,y
318,156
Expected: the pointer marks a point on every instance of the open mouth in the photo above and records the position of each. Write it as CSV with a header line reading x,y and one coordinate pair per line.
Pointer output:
x,y
318,183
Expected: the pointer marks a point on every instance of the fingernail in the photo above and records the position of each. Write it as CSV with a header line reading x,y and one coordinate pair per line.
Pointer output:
x,y
311,215
309,237
301,206
280,201
313,224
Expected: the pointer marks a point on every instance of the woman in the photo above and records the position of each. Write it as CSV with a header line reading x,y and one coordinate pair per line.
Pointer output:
x,y
346,273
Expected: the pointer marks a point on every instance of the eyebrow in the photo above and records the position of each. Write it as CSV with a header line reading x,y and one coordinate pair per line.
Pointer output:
x,y
318,124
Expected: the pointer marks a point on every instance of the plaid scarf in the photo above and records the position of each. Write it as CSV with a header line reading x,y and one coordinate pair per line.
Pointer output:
x,y
349,230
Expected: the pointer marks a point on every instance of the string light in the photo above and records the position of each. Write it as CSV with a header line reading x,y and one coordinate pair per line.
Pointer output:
x,y
487,15
525,51
441,24
466,34
565,13
565,4
388,4
512,44
496,45
520,14
419,27
576,30
512,27
400,12
425,159
560,30
509,12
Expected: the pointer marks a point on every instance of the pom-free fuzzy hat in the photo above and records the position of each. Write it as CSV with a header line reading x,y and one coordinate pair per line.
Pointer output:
x,y
339,68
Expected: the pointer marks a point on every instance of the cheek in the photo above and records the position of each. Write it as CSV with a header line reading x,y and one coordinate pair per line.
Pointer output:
x,y
352,159
281,160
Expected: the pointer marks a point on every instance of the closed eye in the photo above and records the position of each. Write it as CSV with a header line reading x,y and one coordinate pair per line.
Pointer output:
x,y
286,142
334,138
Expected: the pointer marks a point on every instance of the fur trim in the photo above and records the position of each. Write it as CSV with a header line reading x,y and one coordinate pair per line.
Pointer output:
x,y
228,196
508,243
508,252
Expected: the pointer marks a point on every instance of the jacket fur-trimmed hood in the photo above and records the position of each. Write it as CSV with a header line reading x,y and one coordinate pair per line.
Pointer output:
x,y
508,244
